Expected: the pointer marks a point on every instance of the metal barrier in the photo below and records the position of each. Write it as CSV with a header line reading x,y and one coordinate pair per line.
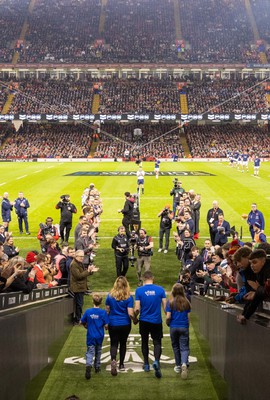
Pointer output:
x,y
15,299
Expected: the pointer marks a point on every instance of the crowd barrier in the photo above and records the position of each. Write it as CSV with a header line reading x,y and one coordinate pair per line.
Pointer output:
x,y
28,336
240,353
15,299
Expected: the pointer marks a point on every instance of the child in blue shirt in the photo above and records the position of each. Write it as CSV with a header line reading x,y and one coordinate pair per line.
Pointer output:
x,y
94,320
177,318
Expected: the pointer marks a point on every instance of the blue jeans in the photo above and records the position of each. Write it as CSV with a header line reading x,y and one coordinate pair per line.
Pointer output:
x,y
93,351
180,345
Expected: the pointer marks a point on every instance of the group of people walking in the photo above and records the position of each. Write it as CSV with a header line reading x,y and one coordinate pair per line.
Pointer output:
x,y
121,311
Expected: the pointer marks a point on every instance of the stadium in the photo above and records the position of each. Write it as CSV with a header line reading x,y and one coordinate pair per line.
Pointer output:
x,y
92,94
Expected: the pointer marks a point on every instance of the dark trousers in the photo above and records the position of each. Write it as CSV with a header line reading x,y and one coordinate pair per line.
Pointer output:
x,y
65,228
156,332
78,300
121,265
126,223
20,221
163,232
212,236
118,336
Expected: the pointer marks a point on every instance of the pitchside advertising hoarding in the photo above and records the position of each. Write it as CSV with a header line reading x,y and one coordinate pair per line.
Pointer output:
x,y
136,117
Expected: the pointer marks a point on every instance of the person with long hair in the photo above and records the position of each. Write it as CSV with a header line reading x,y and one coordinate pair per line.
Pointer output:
x,y
177,318
119,305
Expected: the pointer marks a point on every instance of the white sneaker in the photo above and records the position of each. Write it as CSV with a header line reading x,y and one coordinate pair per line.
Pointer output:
x,y
184,371
165,251
159,250
177,369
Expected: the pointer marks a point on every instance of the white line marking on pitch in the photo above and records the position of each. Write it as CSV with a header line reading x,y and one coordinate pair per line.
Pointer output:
x,y
37,171
1,184
20,177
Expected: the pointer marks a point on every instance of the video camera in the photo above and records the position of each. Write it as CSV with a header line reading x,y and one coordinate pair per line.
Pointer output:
x,y
132,242
45,228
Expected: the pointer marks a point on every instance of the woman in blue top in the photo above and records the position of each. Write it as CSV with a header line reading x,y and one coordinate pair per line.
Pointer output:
x,y
119,305
177,318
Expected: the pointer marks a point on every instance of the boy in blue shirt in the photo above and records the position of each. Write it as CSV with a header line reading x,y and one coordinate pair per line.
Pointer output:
x,y
94,320
148,301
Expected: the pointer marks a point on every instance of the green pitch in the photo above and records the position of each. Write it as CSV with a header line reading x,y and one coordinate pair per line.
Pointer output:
x,y
44,183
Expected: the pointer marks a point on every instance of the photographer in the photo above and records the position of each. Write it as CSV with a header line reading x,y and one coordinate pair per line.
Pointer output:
x,y
145,246
177,192
120,244
166,216
47,229
67,211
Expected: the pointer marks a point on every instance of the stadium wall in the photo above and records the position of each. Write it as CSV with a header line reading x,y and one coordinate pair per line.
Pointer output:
x,y
26,337
241,353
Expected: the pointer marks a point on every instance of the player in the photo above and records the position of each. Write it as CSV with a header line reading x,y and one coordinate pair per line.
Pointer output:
x,y
257,164
244,163
157,163
140,180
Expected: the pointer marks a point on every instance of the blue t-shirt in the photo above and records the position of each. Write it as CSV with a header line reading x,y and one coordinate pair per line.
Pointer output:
x,y
150,297
95,318
118,315
179,319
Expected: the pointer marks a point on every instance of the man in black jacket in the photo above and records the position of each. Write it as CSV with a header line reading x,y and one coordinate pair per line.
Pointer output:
x,y
127,212
67,211
120,244
212,217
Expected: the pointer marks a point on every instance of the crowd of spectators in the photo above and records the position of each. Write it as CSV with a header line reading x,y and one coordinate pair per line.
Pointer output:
x,y
53,96
217,141
154,142
227,96
48,141
12,16
88,31
133,95
62,31
217,31
261,11
139,95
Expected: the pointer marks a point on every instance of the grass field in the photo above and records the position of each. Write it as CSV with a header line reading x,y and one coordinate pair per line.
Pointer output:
x,y
43,183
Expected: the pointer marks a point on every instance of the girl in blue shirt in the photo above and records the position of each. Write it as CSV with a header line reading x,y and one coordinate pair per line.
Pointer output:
x,y
119,305
177,318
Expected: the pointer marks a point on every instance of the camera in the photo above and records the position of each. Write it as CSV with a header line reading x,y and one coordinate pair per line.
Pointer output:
x,y
132,242
65,198
175,182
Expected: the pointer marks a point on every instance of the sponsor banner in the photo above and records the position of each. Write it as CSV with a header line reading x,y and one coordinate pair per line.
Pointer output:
x,y
135,117
134,173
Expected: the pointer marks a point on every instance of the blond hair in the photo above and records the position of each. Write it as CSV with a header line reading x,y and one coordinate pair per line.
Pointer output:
x,y
121,289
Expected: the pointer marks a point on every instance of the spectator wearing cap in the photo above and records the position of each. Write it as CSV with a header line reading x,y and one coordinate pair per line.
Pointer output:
x,y
127,212
31,258
165,225
255,216
259,236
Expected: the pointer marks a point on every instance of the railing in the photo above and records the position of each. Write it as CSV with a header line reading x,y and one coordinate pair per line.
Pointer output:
x,y
15,299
